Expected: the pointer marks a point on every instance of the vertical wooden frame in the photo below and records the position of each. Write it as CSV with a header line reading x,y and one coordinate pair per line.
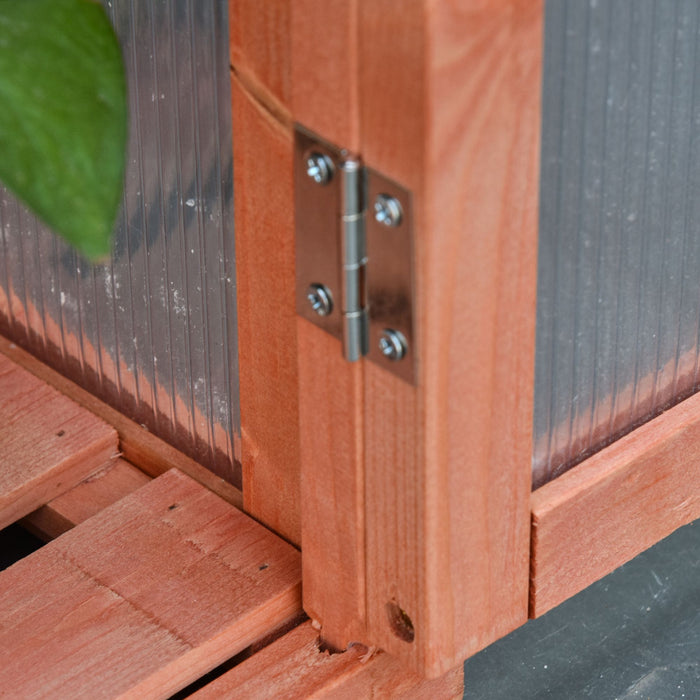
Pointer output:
x,y
450,108
325,80
414,499
262,166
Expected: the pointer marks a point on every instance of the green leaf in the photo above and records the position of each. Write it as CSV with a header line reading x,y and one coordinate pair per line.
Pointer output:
x,y
63,116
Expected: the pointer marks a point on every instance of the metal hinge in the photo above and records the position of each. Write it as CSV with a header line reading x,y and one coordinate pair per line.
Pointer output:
x,y
354,254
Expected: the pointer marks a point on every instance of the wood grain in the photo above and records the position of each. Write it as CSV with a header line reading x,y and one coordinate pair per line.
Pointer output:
x,y
325,69
260,42
301,424
430,490
450,99
294,668
144,597
333,535
140,447
325,74
48,443
117,480
264,214
616,504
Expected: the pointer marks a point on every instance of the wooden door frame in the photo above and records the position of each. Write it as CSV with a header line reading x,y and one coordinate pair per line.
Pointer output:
x,y
413,504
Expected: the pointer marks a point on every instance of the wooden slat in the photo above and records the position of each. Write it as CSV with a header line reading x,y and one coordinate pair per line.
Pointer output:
x,y
143,449
332,488
117,480
48,444
264,215
279,54
325,74
144,597
295,669
450,101
616,504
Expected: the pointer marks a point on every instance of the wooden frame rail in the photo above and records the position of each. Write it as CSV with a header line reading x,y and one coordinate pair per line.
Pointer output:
x,y
615,505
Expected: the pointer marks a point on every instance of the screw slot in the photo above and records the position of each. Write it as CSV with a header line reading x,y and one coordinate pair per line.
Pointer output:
x,y
393,345
387,210
320,298
319,167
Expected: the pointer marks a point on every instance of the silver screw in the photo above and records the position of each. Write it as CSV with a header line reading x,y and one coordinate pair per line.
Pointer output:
x,y
393,345
320,298
319,168
387,210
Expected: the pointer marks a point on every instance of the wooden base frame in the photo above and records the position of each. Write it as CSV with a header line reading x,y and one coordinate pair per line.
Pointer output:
x,y
615,505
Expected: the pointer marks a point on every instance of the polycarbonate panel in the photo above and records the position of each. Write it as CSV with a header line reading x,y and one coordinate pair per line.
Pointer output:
x,y
618,311
153,331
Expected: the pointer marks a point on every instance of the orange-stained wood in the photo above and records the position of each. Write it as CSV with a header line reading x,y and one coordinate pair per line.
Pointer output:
x,y
259,46
325,75
332,487
117,480
144,597
324,69
302,428
264,215
48,443
616,504
295,669
143,449
450,108
431,516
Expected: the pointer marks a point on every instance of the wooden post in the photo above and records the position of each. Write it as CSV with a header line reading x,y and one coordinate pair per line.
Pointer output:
x,y
450,107
414,499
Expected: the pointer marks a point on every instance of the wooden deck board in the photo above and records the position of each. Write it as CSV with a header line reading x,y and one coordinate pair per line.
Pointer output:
x,y
295,669
48,443
144,597
151,454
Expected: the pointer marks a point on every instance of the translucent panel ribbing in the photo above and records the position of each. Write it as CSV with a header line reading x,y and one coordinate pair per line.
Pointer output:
x,y
619,257
153,331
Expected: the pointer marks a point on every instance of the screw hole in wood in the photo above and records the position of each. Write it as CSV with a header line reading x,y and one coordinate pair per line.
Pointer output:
x,y
400,623
60,433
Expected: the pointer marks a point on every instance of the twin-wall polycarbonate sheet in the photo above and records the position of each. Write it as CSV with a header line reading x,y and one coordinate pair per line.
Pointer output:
x,y
618,312
153,330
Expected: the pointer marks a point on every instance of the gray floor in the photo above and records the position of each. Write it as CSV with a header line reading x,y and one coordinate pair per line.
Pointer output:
x,y
634,634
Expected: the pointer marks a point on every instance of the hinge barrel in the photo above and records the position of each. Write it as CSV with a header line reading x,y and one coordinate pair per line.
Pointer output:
x,y
354,254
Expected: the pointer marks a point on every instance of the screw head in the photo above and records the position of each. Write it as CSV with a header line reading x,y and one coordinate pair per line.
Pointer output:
x,y
319,167
393,345
320,298
387,210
